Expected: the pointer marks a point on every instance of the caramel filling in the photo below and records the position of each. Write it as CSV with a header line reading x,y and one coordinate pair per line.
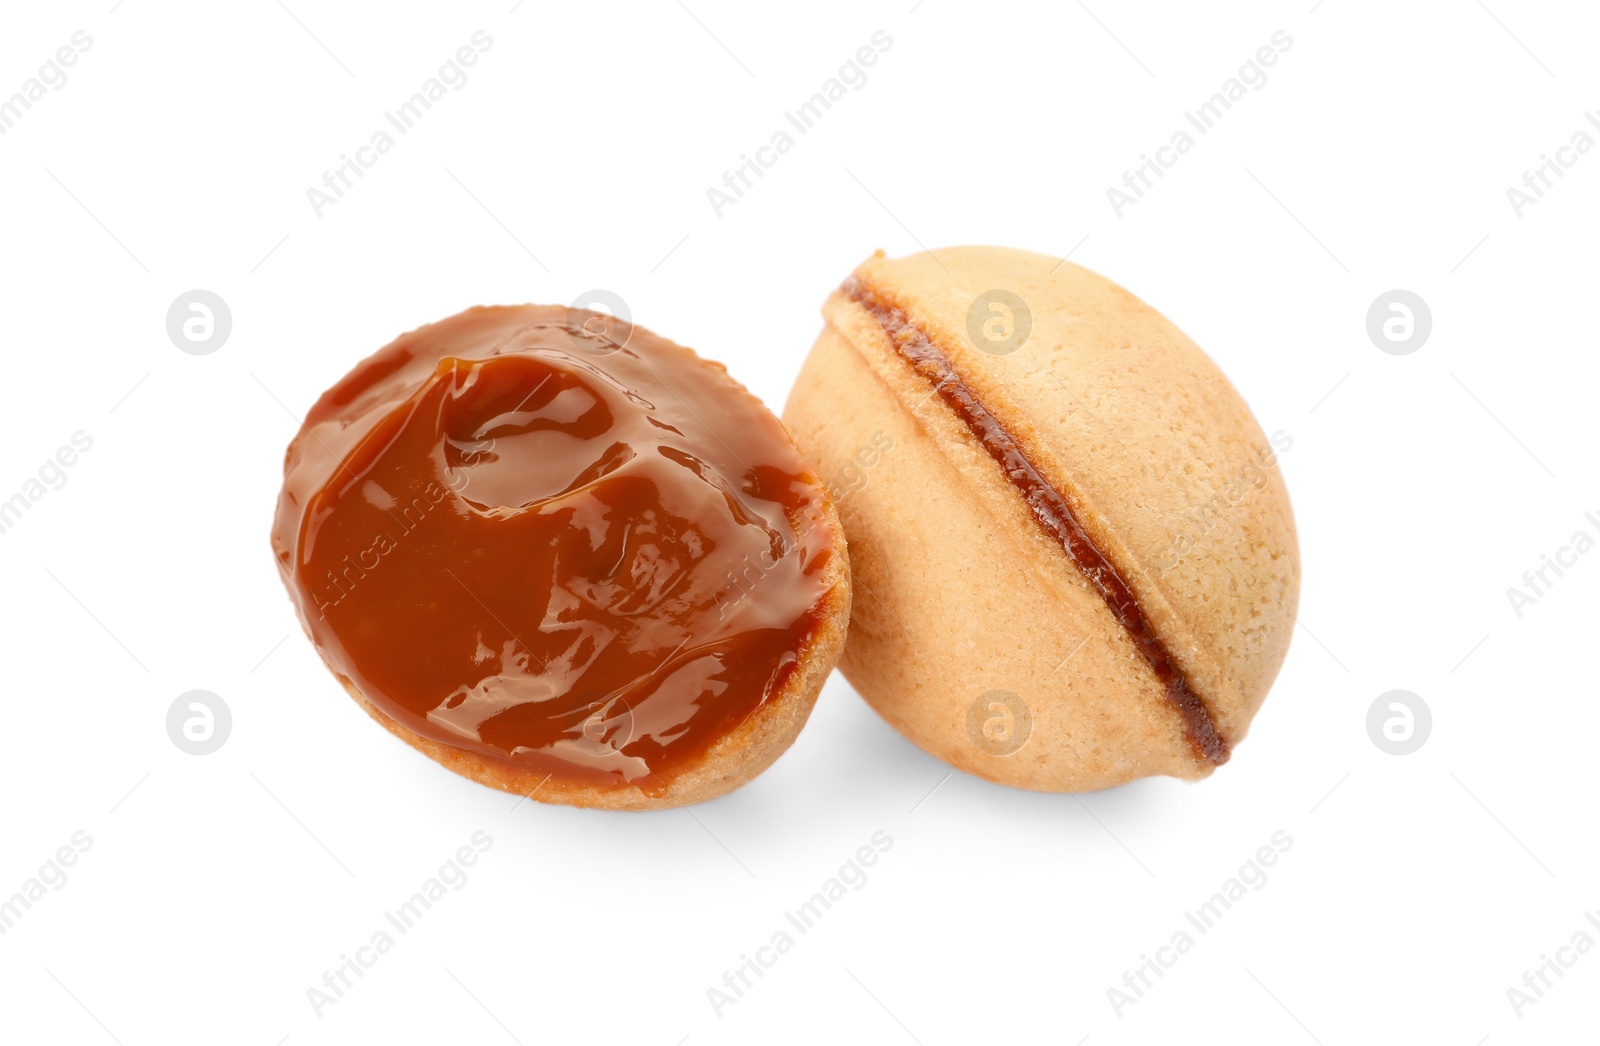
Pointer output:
x,y
523,539
1050,508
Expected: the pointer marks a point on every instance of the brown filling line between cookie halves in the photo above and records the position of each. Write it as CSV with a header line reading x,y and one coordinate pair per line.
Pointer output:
x,y
1050,508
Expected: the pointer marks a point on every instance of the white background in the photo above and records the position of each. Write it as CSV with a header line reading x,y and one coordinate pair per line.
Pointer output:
x,y
218,889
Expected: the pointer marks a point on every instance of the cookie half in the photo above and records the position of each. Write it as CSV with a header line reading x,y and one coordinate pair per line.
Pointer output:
x,y
564,557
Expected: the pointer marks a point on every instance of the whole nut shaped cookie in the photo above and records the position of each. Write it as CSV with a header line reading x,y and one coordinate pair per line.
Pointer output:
x,y
1074,558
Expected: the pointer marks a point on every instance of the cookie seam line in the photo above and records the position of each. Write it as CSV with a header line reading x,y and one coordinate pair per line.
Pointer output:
x,y
1068,532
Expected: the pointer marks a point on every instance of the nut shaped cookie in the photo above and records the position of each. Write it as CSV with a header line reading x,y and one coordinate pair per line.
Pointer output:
x,y
1074,558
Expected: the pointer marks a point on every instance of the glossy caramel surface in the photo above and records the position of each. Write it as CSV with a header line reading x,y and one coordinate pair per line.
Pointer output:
x,y
553,539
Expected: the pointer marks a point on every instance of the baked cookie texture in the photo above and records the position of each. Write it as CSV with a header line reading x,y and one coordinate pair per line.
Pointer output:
x,y
975,632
